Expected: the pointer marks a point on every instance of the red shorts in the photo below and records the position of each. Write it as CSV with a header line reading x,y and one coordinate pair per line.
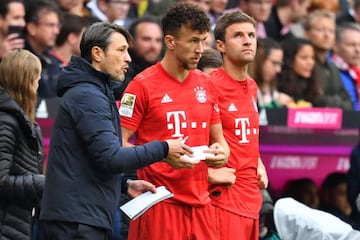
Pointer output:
x,y
167,221
234,226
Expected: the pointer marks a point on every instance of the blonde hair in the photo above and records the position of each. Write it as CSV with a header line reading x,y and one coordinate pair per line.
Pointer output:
x,y
18,71
308,24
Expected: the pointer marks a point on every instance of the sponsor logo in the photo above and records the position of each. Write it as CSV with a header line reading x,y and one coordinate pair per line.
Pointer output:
x,y
200,94
166,99
315,118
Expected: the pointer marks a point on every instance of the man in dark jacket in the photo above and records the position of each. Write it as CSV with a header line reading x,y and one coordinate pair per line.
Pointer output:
x,y
83,183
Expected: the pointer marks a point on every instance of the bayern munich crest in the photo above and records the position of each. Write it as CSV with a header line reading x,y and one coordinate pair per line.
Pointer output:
x,y
200,94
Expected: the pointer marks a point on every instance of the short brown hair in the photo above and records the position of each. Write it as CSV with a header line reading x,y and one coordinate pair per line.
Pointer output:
x,y
228,19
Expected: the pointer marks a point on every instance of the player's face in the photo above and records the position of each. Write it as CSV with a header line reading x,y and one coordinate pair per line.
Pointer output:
x,y
240,43
116,58
188,47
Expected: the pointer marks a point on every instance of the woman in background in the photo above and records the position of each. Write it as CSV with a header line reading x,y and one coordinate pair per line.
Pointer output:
x,y
298,79
21,153
265,69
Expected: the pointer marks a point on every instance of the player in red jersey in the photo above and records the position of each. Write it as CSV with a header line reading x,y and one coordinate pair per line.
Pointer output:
x,y
170,100
238,206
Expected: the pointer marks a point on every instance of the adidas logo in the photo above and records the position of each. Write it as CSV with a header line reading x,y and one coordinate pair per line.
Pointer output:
x,y
232,108
166,99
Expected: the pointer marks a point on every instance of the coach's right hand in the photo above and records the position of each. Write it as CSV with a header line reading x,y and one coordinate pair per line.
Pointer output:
x,y
177,149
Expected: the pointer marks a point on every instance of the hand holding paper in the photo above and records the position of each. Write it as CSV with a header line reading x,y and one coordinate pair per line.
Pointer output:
x,y
137,206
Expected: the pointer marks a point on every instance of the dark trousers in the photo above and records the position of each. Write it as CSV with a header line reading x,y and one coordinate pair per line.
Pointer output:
x,y
57,230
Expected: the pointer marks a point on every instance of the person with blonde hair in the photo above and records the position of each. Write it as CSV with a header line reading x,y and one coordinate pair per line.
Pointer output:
x,y
21,152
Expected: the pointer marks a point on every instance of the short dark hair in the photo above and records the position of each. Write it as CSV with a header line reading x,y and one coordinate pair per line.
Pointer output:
x,y
4,6
37,7
99,34
210,58
183,14
71,24
228,19
137,22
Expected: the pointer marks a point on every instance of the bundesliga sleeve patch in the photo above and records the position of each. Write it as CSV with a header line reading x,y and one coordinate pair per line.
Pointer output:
x,y
127,105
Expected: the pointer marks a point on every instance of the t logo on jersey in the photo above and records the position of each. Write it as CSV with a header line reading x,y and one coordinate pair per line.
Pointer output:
x,y
177,121
243,129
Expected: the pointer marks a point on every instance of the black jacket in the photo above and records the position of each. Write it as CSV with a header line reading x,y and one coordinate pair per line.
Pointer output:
x,y
85,158
21,181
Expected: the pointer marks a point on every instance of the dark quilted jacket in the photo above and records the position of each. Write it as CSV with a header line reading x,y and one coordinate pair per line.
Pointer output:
x,y
21,181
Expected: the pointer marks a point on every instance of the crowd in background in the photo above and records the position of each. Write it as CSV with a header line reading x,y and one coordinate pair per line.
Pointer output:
x,y
308,56
315,64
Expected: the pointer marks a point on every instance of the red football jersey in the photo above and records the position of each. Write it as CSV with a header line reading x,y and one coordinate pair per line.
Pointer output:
x,y
239,116
158,107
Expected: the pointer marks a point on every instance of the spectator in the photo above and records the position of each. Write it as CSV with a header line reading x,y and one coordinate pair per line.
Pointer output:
x,y
204,5
320,30
43,27
86,156
353,182
21,149
303,190
217,8
140,8
113,11
76,7
333,197
12,13
145,51
299,82
68,41
260,10
265,69
330,5
347,59
283,14
351,14
174,100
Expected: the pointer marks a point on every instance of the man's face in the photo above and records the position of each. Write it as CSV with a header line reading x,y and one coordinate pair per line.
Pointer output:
x,y
115,60
258,9
322,33
240,43
148,43
299,9
45,31
349,47
14,17
188,47
117,9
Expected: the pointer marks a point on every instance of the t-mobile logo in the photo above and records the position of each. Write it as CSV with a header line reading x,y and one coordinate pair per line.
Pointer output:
x,y
176,121
243,129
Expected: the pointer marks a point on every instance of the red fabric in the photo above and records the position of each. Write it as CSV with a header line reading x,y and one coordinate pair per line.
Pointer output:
x,y
233,226
239,116
165,109
357,80
353,70
166,221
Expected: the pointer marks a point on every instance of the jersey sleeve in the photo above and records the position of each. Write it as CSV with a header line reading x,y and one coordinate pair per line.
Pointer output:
x,y
133,105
